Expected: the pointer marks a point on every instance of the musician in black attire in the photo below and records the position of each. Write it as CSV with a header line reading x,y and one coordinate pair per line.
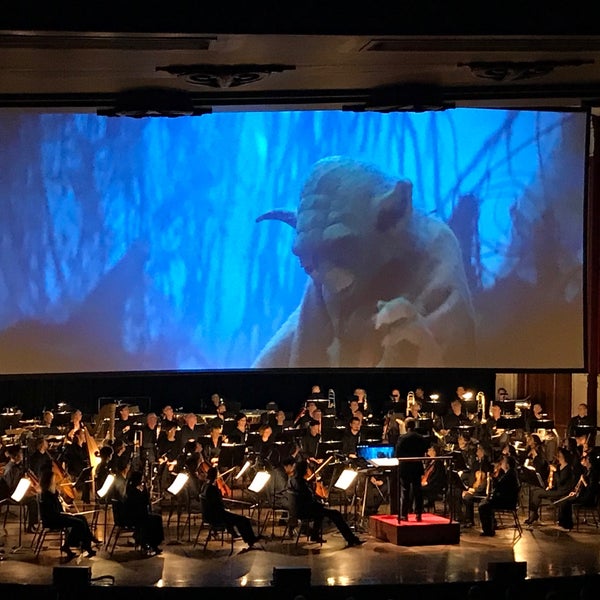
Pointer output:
x,y
124,429
103,468
505,494
411,445
40,460
77,464
264,447
582,422
14,470
304,504
53,516
351,438
149,446
434,480
310,443
585,494
138,511
561,482
192,430
239,435
447,425
214,511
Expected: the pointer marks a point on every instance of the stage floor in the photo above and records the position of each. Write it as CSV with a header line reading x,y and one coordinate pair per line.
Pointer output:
x,y
547,550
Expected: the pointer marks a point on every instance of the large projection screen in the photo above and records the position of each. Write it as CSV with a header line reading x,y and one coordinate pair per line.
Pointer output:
x,y
295,239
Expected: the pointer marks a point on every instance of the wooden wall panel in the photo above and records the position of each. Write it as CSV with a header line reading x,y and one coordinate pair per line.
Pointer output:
x,y
552,391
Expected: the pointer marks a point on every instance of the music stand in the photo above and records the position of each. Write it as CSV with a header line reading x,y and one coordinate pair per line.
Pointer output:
x,y
435,407
424,426
470,406
231,455
510,422
507,407
544,424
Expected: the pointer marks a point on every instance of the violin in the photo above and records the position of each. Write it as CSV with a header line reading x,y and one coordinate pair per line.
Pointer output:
x,y
428,472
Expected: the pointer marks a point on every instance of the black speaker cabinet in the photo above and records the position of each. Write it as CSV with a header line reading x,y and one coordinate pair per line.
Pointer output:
x,y
507,571
291,578
71,577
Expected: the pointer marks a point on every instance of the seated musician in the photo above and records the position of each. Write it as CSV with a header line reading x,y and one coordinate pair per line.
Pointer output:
x,y
305,415
446,426
585,494
14,471
504,494
477,489
75,424
124,428
168,420
582,426
239,435
489,432
138,511
434,480
191,430
54,516
305,505
40,460
279,425
76,460
352,410
561,481
351,438
310,444
264,447
535,462
46,424
149,440
214,511
212,446
103,468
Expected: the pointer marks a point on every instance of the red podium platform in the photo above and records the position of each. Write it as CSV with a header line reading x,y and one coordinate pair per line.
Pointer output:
x,y
432,530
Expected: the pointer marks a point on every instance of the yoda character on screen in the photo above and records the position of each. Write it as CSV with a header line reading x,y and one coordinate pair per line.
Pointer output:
x,y
386,287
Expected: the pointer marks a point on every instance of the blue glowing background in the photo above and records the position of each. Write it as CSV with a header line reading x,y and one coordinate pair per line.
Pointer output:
x,y
132,244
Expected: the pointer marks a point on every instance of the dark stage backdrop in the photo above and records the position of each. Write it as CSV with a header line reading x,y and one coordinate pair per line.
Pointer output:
x,y
252,389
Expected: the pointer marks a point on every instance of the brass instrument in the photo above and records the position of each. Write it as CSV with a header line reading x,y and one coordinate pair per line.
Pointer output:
x,y
480,397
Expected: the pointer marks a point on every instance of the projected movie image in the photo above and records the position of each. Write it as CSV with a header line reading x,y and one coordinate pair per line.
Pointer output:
x,y
292,239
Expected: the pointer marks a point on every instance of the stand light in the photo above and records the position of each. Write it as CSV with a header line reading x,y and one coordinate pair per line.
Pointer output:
x,y
346,479
246,466
21,489
106,486
178,483
259,481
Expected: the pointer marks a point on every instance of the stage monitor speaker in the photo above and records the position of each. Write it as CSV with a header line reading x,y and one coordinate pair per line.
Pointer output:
x,y
71,577
292,579
507,571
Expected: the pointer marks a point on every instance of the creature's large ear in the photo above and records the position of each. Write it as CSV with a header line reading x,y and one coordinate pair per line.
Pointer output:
x,y
287,216
394,207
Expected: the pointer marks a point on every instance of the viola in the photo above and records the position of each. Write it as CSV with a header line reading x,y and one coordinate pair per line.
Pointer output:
x,y
319,487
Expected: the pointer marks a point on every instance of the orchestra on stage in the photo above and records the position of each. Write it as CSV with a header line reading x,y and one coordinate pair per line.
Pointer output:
x,y
328,463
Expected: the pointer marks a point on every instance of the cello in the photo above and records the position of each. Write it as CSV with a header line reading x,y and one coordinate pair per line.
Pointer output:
x,y
319,487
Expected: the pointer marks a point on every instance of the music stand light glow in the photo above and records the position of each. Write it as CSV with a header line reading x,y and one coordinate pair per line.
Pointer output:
x,y
246,466
21,489
346,479
178,484
108,483
259,481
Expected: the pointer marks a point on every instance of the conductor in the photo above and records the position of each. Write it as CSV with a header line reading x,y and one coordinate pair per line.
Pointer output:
x,y
411,445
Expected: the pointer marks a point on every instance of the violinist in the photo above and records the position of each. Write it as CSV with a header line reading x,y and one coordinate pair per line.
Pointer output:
x,y
434,480
477,484
561,481
503,495
584,494
535,461
305,505
14,470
